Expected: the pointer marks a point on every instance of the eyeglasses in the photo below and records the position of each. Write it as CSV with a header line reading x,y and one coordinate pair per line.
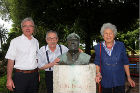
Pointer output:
x,y
108,34
54,38
27,26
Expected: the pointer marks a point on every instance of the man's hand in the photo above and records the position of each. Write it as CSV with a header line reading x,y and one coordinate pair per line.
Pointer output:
x,y
10,84
51,64
56,61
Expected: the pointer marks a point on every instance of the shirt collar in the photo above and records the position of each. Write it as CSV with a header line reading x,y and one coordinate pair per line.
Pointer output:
x,y
24,37
48,49
109,52
105,44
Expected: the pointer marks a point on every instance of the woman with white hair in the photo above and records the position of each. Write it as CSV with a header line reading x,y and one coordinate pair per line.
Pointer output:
x,y
111,62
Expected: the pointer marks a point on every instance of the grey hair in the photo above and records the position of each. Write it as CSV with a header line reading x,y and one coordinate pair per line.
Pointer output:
x,y
27,19
51,31
73,36
110,26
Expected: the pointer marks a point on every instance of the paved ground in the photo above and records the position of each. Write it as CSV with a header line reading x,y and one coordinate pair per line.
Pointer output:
x,y
128,90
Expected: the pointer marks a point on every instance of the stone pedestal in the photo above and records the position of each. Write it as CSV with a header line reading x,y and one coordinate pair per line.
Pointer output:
x,y
74,79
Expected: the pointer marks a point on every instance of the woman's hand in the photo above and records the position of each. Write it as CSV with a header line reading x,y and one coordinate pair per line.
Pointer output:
x,y
98,77
55,62
131,82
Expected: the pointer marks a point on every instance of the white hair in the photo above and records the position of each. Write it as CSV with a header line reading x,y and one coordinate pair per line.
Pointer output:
x,y
108,26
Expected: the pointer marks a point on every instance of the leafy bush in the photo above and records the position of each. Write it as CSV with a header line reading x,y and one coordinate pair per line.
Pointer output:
x,y
3,84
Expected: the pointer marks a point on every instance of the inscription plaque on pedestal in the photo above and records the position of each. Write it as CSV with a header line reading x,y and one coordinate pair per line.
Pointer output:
x,y
74,79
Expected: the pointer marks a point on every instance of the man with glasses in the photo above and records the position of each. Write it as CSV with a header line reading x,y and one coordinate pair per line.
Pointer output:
x,y
47,57
22,56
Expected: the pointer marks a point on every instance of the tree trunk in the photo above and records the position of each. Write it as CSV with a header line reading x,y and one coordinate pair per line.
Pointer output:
x,y
1,42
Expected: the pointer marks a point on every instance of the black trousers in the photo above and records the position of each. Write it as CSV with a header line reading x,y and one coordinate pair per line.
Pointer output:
x,y
118,89
49,81
26,82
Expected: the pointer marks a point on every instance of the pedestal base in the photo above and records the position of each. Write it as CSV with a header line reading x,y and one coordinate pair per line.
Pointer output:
x,y
74,79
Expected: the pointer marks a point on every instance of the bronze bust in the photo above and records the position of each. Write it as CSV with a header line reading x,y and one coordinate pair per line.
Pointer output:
x,y
73,56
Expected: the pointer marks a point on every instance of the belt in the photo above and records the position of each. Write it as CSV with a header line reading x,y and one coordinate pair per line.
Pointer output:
x,y
27,71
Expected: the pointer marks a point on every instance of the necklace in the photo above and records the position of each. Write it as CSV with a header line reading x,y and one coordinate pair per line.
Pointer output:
x,y
109,47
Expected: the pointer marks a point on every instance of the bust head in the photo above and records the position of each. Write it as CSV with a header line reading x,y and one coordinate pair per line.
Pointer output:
x,y
73,56
73,41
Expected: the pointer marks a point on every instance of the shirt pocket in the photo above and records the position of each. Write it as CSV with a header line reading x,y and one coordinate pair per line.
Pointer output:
x,y
110,62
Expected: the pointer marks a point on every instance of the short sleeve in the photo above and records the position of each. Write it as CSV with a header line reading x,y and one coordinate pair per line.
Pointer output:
x,y
124,56
11,53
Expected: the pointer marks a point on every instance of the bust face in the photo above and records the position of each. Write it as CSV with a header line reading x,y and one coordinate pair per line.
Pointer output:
x,y
73,44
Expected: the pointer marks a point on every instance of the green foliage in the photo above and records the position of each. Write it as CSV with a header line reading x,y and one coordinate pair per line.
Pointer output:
x,y
40,34
42,86
3,39
87,15
5,45
92,52
131,38
3,84
4,10
3,33
64,30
